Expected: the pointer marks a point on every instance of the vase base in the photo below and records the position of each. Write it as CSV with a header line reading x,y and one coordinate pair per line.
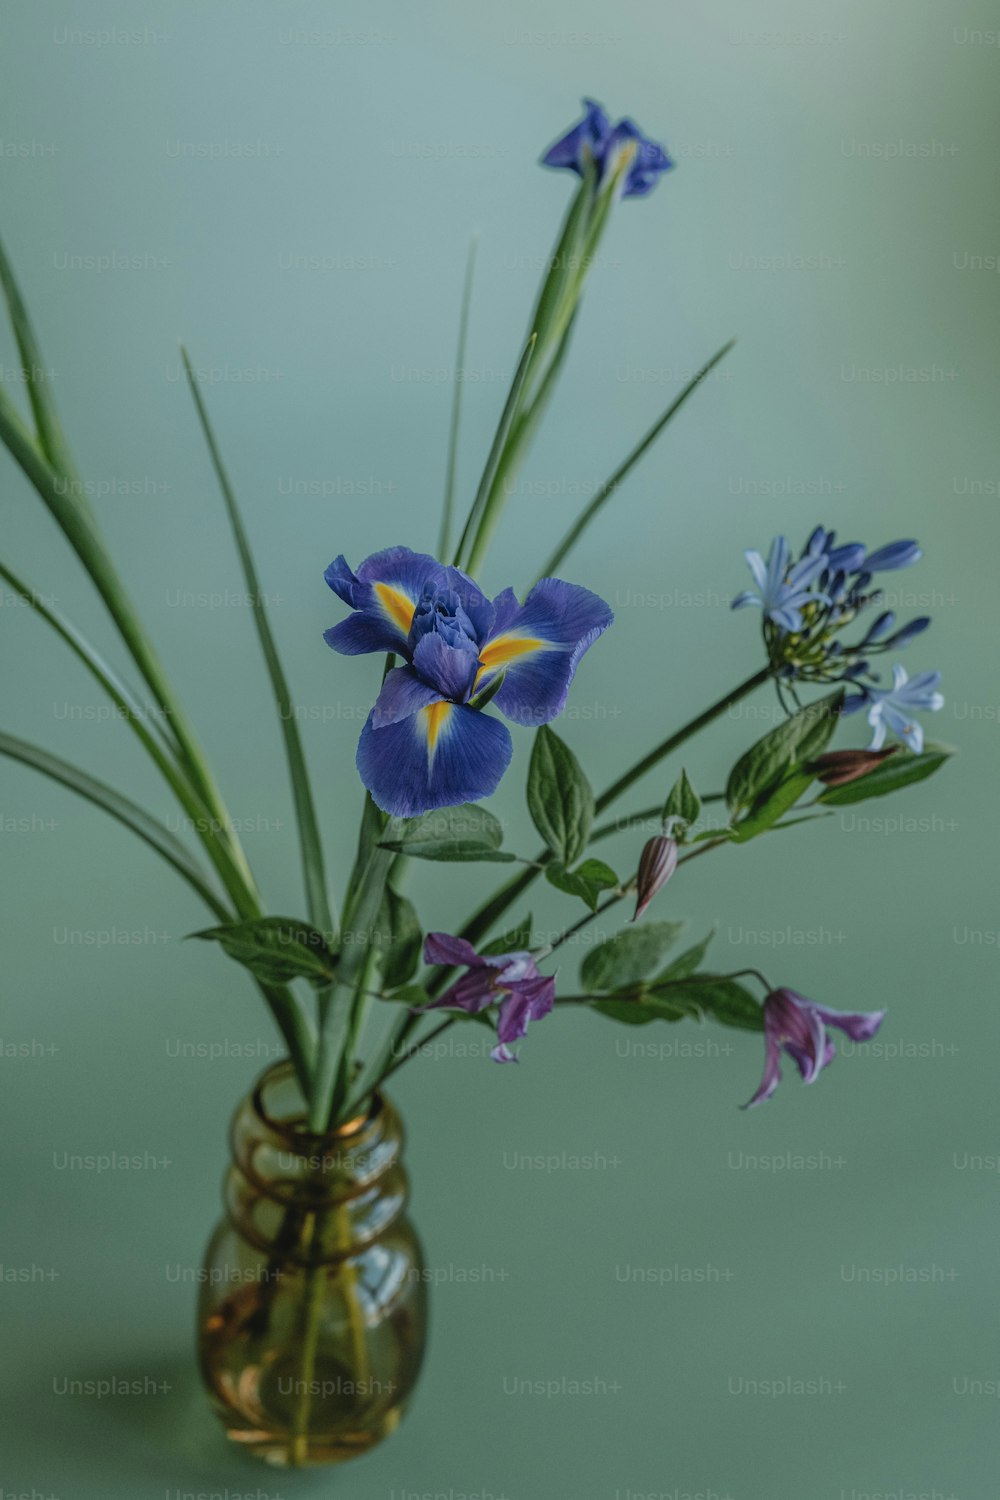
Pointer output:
x,y
281,1452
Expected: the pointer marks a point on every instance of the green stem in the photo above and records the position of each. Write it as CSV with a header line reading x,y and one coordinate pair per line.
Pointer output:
x,y
490,912
673,741
447,510
339,1018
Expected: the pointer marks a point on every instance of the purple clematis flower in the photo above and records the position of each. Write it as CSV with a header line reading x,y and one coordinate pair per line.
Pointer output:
x,y
508,978
426,744
595,139
799,1026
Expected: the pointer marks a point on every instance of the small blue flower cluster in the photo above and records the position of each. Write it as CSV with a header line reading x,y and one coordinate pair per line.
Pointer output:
x,y
808,601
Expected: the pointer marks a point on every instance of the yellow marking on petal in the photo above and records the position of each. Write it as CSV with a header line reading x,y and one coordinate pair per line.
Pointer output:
x,y
507,648
435,716
504,649
396,605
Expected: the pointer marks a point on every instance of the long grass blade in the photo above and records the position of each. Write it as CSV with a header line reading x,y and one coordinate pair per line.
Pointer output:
x,y
609,487
448,508
51,438
317,897
142,823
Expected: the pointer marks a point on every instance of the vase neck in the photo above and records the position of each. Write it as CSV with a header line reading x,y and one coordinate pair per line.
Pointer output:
x,y
311,1197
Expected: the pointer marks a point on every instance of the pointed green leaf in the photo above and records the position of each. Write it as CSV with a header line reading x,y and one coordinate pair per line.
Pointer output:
x,y
725,1000
687,962
399,938
587,881
796,740
275,949
560,798
683,801
772,806
628,956
465,832
899,771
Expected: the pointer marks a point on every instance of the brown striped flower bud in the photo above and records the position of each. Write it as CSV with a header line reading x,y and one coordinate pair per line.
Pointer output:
x,y
837,767
657,863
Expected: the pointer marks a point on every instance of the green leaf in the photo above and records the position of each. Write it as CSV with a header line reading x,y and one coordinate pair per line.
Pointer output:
x,y
51,439
683,801
466,832
310,843
410,994
134,817
588,880
560,798
275,949
516,940
444,539
399,938
640,1010
772,806
898,771
725,1000
796,740
687,962
628,956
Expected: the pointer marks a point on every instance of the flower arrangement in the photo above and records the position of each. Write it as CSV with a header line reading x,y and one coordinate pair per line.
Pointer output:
x,y
456,665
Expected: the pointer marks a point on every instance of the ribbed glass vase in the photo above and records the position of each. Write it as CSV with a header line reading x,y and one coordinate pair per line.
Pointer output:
x,y
312,1316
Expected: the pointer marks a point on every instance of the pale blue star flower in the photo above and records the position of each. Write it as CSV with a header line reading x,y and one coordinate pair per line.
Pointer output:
x,y
894,708
784,589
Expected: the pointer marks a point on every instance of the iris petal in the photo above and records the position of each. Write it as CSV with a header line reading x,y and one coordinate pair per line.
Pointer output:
x,y
451,669
443,755
538,644
403,693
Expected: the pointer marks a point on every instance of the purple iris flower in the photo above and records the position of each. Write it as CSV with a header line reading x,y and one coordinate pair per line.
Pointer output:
x,y
785,587
508,978
426,743
799,1026
595,139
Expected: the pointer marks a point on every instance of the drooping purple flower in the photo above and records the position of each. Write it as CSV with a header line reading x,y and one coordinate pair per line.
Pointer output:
x,y
425,745
798,1025
595,140
511,980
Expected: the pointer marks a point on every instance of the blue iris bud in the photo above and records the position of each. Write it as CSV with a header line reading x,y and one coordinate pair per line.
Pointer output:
x,y
595,143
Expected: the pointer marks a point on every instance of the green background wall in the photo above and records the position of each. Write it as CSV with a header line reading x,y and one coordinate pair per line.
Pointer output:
x,y
296,184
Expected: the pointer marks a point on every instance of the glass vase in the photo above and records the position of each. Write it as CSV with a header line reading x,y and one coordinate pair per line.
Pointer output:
x,y
312,1311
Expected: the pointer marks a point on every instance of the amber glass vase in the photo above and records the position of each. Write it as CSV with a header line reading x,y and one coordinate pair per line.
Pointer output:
x,y
312,1316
